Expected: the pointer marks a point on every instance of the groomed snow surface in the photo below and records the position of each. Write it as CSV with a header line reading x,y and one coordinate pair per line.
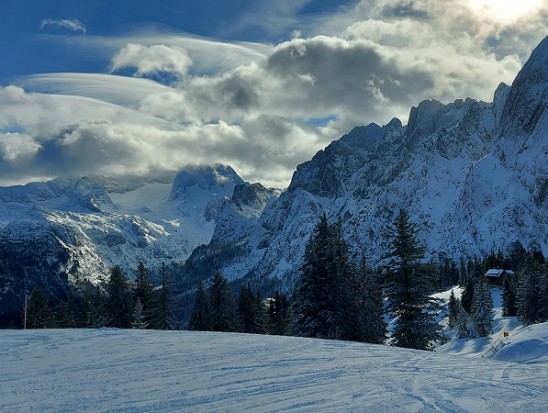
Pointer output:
x,y
110,370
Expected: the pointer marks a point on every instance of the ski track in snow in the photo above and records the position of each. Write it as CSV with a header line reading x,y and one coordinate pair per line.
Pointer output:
x,y
111,370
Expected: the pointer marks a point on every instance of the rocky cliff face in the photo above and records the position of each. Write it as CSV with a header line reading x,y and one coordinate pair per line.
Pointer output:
x,y
473,175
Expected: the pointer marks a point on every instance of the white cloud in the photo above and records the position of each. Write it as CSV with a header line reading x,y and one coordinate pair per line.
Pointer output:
x,y
254,106
73,25
17,147
151,60
71,135
118,90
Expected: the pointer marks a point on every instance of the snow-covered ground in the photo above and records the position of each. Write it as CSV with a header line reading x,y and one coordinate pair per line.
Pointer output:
x,y
109,370
524,344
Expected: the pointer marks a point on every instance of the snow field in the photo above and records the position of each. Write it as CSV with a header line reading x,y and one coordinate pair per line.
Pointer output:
x,y
110,370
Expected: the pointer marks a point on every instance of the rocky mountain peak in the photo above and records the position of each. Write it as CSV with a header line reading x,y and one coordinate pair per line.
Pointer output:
x,y
468,188
528,98
204,177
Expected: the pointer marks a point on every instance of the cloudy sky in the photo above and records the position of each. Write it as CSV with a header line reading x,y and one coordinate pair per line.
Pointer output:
x,y
119,86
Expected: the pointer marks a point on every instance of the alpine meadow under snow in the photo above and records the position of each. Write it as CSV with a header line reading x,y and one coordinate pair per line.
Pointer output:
x,y
109,370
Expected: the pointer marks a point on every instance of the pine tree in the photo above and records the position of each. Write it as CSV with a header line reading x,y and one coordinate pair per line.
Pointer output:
x,y
370,306
516,257
66,312
222,304
315,305
467,296
482,309
246,312
347,285
39,314
408,288
542,315
324,303
463,272
278,313
64,315
509,308
261,324
200,320
162,316
454,306
465,327
144,292
119,300
531,296
98,316
139,316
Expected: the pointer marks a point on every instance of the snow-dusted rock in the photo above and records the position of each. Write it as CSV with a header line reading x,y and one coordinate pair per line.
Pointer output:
x,y
473,175
74,230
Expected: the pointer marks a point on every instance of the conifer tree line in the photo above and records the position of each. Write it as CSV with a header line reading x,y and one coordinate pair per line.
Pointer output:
x,y
524,292
335,296
215,309
117,304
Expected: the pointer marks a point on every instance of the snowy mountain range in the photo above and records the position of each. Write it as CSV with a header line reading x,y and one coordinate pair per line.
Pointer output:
x,y
473,175
72,231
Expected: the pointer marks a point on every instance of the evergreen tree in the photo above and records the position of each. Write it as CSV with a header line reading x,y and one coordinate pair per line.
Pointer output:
x,y
408,288
531,297
246,311
370,306
144,292
467,296
39,314
66,313
162,316
139,316
463,272
200,320
261,324
482,309
509,308
465,327
98,310
314,303
542,315
222,304
325,305
119,300
516,257
347,286
454,306
278,313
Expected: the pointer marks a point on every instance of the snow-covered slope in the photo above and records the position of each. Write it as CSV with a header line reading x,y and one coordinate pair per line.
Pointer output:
x,y
521,344
473,175
74,230
181,371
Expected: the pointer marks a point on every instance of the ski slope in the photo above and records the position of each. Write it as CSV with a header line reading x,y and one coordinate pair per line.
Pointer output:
x,y
110,370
